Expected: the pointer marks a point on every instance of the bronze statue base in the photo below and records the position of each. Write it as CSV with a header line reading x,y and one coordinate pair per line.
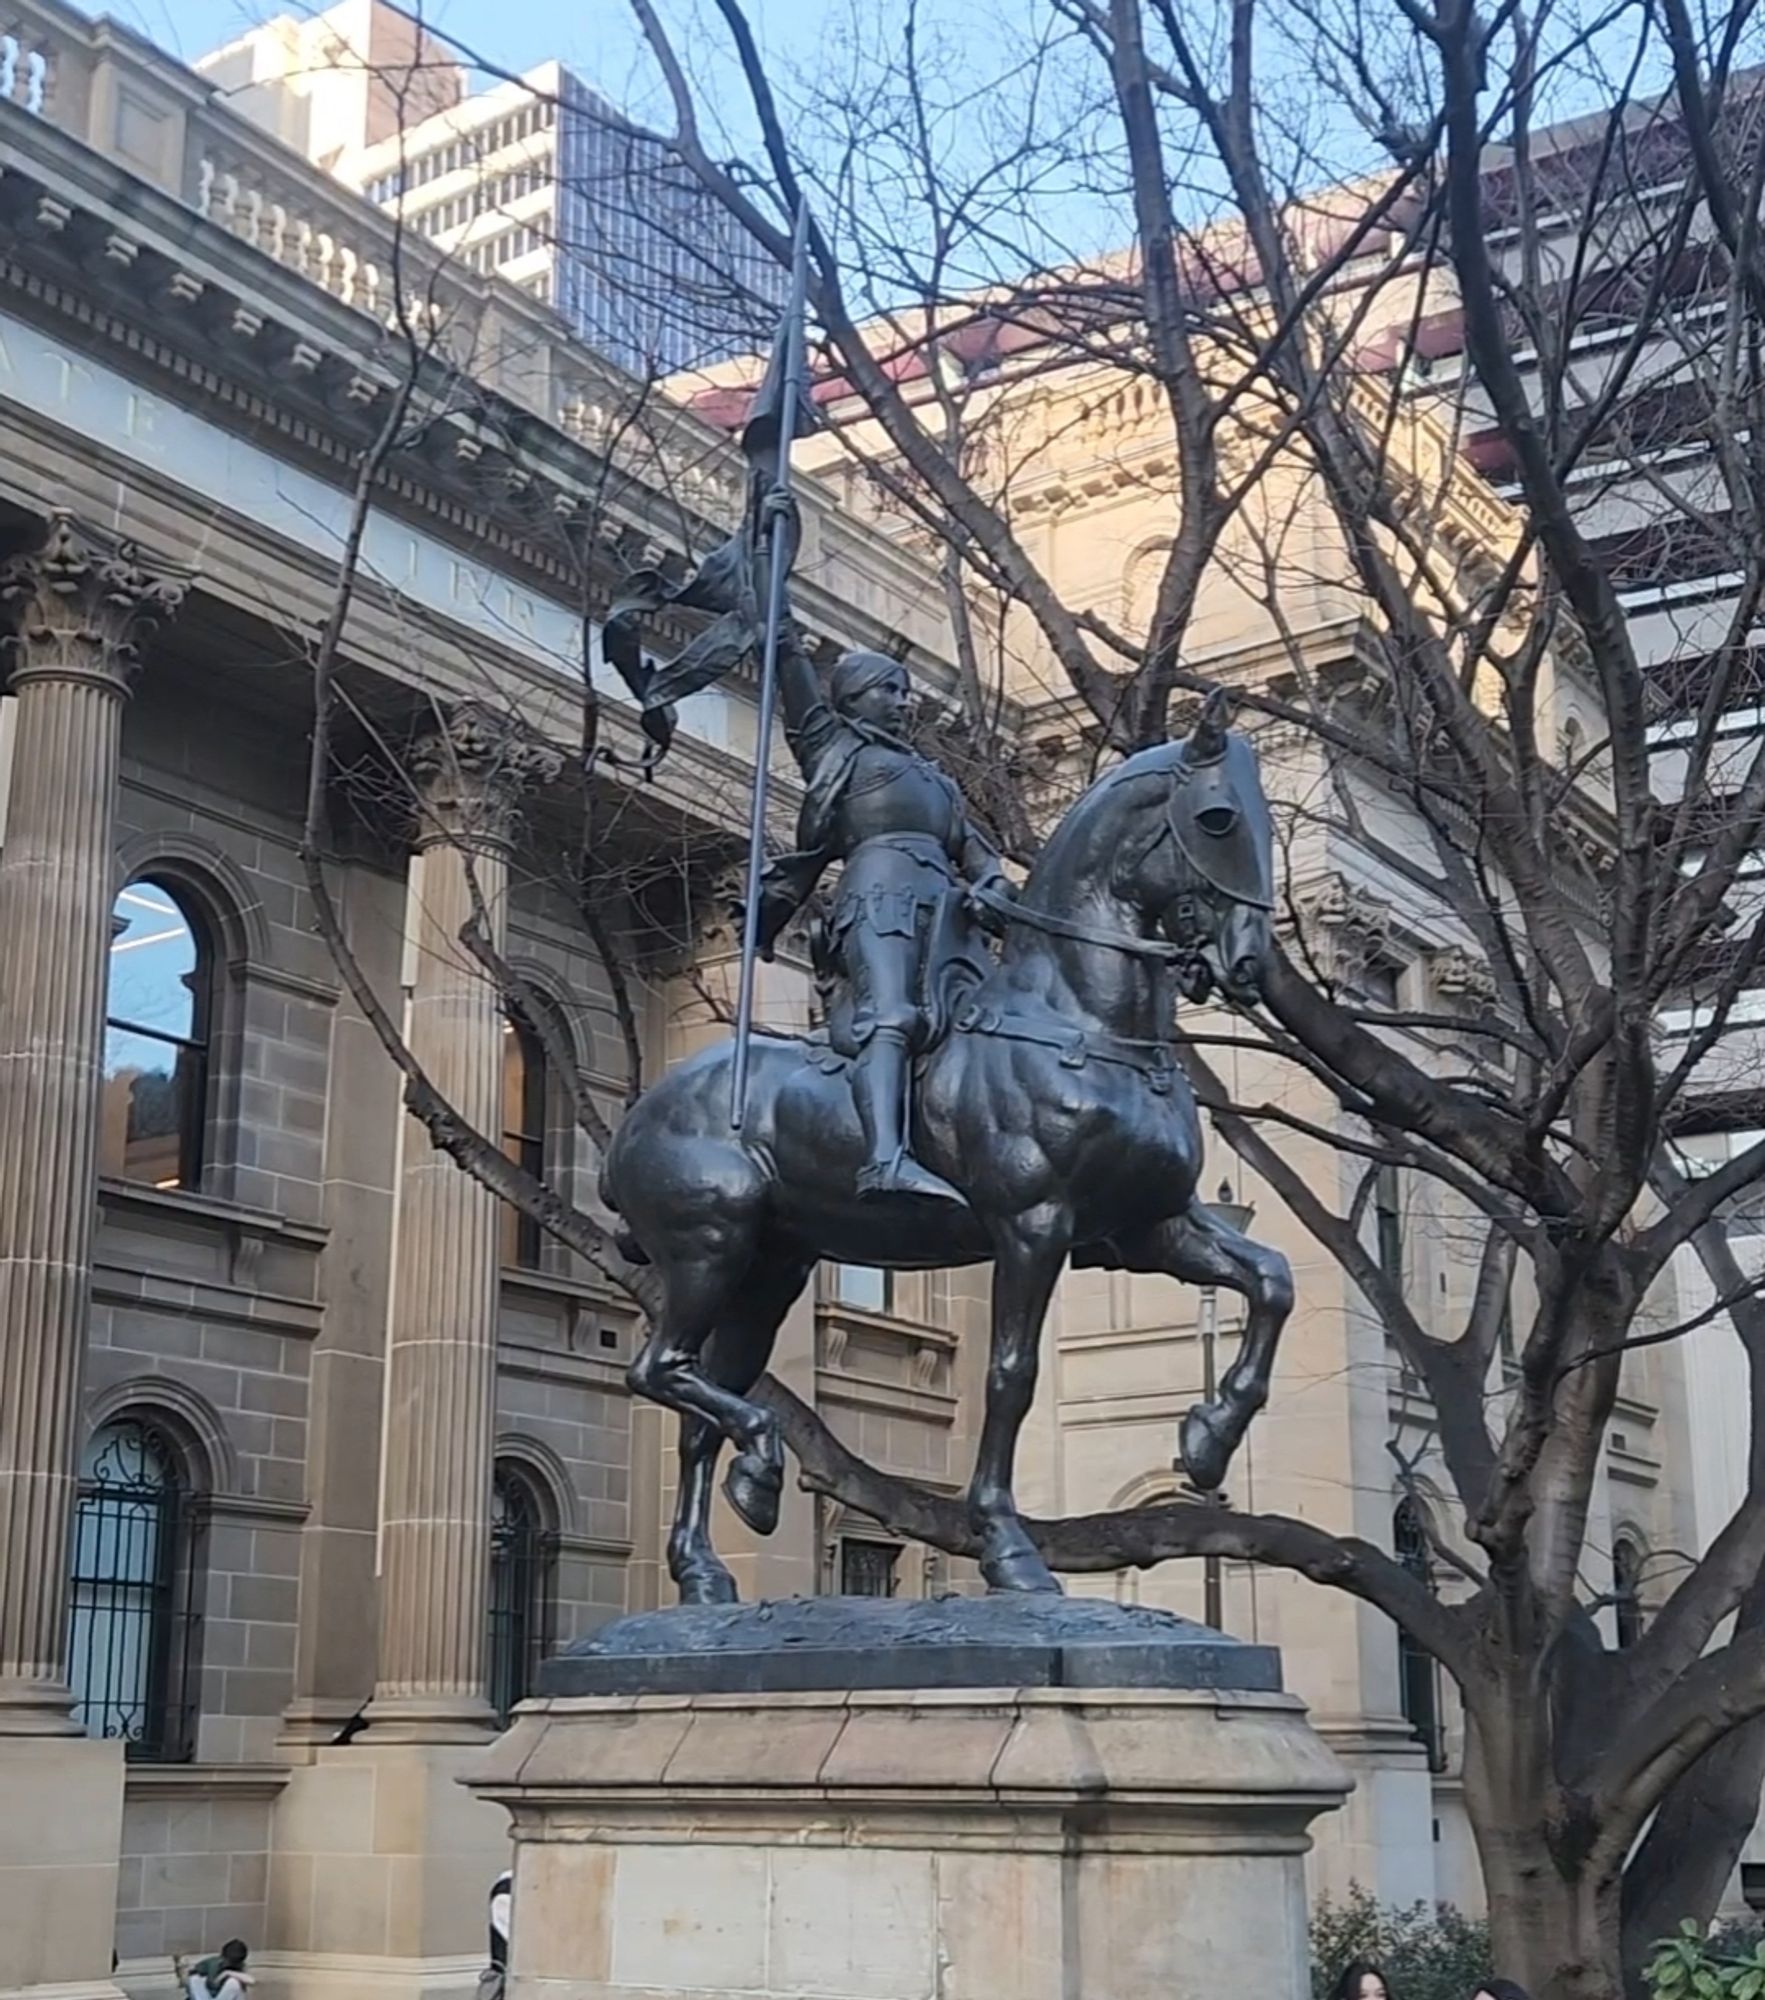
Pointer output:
x,y
807,1644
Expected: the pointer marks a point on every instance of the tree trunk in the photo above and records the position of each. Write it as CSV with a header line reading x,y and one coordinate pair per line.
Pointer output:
x,y
1553,1928
1557,1934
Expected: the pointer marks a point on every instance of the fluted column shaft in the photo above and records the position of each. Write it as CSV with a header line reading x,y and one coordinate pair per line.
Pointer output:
x,y
82,602
441,1341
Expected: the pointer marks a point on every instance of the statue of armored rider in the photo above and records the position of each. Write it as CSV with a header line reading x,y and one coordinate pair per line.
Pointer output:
x,y
911,857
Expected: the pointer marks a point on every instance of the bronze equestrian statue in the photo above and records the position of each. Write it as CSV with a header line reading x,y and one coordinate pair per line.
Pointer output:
x,y
1049,1120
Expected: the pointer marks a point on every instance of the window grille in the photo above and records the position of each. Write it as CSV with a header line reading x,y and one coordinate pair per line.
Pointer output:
x,y
868,1569
133,1620
1419,1671
521,1554
1627,1590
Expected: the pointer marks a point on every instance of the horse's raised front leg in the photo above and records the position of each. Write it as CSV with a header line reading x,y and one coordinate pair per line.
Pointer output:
x,y
1029,1253
701,1293
1198,1248
733,1360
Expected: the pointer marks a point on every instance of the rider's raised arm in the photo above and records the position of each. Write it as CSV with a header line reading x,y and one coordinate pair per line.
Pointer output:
x,y
810,722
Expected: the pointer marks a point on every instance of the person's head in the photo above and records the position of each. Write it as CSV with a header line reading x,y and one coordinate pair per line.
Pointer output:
x,y
870,687
1363,1980
233,1954
1501,1989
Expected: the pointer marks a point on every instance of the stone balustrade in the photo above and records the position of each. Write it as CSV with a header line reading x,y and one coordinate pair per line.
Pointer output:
x,y
100,83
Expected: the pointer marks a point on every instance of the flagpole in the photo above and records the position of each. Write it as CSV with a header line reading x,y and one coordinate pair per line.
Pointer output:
x,y
795,370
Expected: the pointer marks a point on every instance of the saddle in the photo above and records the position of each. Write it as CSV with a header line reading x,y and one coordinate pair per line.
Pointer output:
x,y
956,959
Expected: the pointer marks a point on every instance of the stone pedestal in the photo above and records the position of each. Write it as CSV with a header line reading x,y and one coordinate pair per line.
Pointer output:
x,y
61,1816
380,1874
1008,1799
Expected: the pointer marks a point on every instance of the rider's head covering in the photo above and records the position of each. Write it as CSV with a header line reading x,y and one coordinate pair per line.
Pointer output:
x,y
858,673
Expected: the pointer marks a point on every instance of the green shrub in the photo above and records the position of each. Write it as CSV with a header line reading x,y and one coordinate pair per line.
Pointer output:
x,y
1727,1965
1429,1952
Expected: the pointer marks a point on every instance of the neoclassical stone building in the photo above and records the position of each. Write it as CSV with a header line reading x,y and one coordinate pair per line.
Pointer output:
x,y
307,1449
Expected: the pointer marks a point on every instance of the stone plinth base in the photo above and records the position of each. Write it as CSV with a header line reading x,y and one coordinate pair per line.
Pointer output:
x,y
61,1831
1026,1842
380,1874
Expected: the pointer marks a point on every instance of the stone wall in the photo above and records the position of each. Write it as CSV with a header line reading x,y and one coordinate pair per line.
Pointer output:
x,y
195,1860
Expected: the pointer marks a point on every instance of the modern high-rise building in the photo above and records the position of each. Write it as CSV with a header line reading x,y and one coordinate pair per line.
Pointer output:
x,y
539,180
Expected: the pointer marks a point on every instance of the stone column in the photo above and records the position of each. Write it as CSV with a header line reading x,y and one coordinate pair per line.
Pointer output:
x,y
441,1340
83,603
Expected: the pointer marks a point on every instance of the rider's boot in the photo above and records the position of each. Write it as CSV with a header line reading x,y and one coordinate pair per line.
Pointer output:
x,y
879,1082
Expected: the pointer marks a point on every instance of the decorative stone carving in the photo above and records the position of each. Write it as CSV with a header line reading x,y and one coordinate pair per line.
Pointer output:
x,y
472,773
84,602
1347,929
1461,979
836,1337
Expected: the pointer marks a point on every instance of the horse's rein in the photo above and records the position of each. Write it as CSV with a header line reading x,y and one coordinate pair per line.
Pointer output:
x,y
1064,927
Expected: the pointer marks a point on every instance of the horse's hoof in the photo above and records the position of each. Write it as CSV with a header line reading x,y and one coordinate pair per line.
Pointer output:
x,y
754,1486
708,1583
1207,1451
1021,1572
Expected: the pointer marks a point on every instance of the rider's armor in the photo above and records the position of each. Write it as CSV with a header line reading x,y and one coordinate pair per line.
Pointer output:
x,y
900,826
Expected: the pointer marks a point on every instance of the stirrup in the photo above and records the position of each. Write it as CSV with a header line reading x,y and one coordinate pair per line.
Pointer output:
x,y
903,1175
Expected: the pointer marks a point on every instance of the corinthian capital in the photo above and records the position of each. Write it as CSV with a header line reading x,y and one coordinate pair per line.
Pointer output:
x,y
472,772
84,600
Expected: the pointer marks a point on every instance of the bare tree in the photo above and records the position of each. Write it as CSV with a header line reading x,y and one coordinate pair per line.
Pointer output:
x,y
1593,291
1339,259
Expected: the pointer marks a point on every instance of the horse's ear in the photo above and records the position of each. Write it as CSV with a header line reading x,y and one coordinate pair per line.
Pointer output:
x,y
1209,739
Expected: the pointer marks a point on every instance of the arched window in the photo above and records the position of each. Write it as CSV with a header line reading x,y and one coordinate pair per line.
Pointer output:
x,y
132,1624
521,1552
156,1039
1419,1675
524,1108
1627,1589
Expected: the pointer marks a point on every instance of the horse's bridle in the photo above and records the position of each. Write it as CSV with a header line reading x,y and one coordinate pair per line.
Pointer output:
x,y
1162,950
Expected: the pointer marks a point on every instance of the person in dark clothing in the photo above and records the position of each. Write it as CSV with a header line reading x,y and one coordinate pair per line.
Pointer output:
x,y
494,1977
220,1977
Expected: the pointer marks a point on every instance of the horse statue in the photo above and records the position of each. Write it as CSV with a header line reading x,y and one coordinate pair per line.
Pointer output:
x,y
1052,1104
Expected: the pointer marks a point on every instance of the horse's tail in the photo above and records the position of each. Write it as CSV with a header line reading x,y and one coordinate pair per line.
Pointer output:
x,y
623,1241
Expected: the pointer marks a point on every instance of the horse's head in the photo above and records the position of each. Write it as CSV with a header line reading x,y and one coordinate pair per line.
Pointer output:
x,y
1208,875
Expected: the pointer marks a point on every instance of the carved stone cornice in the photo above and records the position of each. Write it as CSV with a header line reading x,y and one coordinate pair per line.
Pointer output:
x,y
472,773
84,601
